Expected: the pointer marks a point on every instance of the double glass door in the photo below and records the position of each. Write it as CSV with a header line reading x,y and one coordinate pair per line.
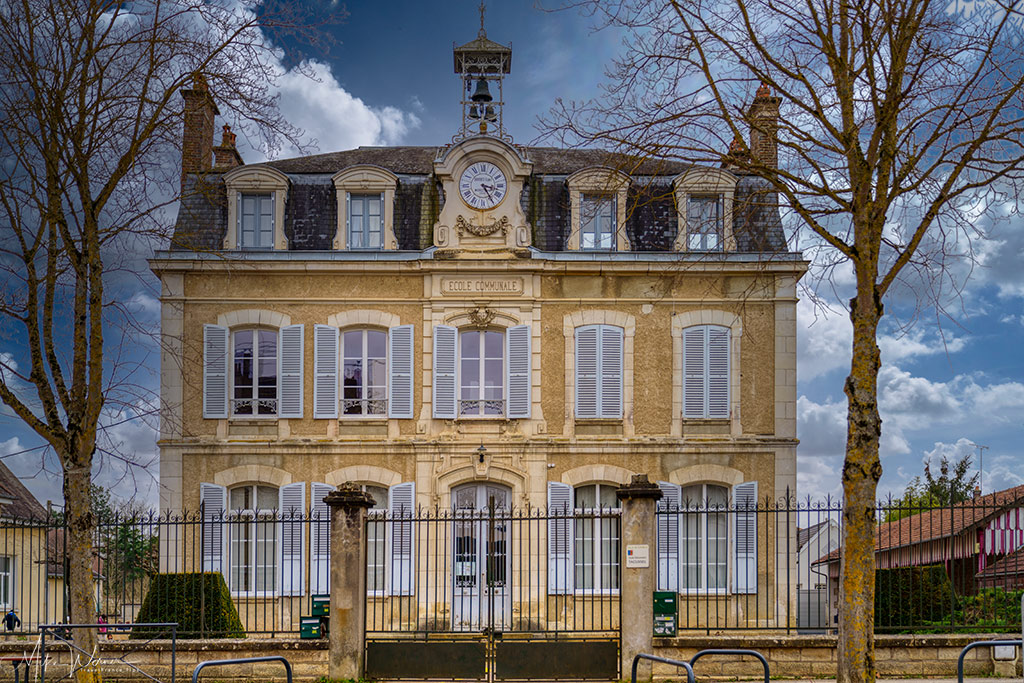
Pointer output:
x,y
481,595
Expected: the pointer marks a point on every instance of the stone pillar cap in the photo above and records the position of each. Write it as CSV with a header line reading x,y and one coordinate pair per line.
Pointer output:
x,y
349,495
639,487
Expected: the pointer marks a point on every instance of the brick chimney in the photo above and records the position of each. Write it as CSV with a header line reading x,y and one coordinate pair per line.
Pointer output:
x,y
197,136
763,116
225,155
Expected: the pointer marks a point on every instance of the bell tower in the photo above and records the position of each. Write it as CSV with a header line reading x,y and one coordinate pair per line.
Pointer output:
x,y
481,65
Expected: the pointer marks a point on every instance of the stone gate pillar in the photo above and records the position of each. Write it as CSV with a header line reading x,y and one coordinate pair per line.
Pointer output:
x,y
638,499
348,580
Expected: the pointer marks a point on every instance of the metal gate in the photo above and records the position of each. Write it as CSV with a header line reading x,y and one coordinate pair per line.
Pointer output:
x,y
491,593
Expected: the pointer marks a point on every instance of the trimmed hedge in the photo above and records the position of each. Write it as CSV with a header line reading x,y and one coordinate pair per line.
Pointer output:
x,y
200,603
910,597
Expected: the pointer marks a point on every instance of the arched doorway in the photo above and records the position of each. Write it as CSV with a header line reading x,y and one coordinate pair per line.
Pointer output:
x,y
481,560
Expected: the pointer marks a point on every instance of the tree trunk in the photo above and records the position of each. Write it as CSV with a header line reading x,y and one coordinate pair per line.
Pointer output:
x,y
81,586
861,472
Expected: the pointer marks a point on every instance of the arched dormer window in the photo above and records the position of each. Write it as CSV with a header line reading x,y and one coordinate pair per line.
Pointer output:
x,y
704,199
597,197
366,201
256,201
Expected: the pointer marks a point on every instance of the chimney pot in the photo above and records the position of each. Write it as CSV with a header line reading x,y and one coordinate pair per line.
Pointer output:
x,y
197,132
226,155
763,116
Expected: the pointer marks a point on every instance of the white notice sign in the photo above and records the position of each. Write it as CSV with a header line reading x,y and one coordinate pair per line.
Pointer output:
x,y
638,556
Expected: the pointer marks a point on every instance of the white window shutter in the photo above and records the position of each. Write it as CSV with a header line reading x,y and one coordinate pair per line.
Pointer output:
x,y
744,571
517,384
215,371
587,341
289,375
325,372
561,569
668,536
401,543
694,384
291,565
718,372
213,499
320,544
611,371
400,363
444,381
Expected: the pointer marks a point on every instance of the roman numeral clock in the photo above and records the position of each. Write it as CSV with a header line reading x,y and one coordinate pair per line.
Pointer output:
x,y
482,185
483,179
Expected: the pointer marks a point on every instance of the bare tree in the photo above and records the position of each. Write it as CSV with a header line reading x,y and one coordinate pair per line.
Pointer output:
x,y
897,124
90,128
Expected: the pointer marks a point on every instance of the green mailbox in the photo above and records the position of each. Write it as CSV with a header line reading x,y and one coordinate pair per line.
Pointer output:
x,y
665,613
321,605
309,627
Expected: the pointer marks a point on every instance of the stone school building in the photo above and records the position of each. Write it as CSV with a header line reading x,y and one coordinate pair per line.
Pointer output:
x,y
479,326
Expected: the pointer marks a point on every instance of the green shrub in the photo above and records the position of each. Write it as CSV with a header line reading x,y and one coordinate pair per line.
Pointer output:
x,y
994,608
200,603
909,597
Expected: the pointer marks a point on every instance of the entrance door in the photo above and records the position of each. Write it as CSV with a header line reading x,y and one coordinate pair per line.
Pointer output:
x,y
480,593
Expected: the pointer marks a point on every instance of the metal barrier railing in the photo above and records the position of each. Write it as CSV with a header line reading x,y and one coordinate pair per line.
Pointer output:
x,y
61,633
976,644
662,660
749,653
243,660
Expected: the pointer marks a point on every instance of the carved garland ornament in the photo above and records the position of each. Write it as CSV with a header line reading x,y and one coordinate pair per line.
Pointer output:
x,y
462,225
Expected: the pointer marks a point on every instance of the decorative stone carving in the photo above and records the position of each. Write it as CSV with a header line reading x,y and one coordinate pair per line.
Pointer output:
x,y
481,317
463,226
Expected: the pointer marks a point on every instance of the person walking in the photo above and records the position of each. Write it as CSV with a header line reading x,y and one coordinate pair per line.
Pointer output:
x,y
11,621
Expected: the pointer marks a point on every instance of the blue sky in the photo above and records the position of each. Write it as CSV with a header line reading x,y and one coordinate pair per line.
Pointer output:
x,y
947,382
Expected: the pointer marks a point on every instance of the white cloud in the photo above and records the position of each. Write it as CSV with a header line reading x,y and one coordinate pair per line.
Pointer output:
x,y
918,342
312,99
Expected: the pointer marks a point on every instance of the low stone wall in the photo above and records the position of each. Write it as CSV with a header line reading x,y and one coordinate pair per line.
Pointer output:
x,y
802,656
795,656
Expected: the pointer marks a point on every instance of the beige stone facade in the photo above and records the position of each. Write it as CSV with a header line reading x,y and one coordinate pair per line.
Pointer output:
x,y
553,326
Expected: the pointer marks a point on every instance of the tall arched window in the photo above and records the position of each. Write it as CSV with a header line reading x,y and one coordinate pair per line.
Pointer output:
x,y
364,381
252,539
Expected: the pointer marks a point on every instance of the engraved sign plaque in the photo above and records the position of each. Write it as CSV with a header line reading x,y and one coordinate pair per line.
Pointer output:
x,y
477,286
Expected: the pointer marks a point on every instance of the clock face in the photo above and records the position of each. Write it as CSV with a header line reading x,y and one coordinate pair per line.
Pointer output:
x,y
482,185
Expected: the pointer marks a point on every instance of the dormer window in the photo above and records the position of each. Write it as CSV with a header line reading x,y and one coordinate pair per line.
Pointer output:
x,y
364,221
256,221
704,198
256,200
598,202
366,215
704,222
597,217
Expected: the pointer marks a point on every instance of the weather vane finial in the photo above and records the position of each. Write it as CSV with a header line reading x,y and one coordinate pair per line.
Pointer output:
x,y
483,10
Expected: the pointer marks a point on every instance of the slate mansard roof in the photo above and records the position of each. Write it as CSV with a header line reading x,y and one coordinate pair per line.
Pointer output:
x,y
311,213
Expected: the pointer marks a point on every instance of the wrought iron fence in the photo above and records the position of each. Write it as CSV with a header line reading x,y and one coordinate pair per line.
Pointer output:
x,y
768,567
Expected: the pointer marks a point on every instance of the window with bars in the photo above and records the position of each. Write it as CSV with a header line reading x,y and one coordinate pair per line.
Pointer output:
x,y
597,222
704,550
256,221
376,537
596,539
252,541
704,222
364,383
6,581
254,386
364,221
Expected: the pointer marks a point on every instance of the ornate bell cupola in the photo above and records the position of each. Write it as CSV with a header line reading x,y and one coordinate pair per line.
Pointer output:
x,y
481,65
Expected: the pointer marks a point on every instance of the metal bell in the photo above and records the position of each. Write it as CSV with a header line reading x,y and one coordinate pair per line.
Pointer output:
x,y
482,92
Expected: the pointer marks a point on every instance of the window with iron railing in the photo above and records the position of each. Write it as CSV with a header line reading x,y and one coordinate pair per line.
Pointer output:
x,y
254,384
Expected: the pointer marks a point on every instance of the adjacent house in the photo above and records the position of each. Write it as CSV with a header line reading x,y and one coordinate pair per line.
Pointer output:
x,y
472,325
24,556
813,603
